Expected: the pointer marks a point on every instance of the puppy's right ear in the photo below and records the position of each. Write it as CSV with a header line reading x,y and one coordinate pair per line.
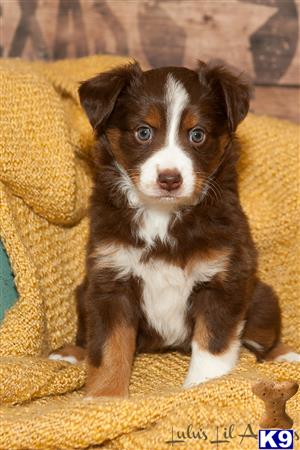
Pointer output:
x,y
98,95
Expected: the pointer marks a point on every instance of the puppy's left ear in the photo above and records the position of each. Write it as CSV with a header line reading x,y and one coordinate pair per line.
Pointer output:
x,y
98,95
233,91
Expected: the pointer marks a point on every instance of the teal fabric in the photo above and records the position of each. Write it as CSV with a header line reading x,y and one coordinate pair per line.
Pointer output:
x,y
8,292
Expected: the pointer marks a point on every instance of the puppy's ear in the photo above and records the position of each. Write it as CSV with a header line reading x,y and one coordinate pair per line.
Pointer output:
x,y
98,95
233,91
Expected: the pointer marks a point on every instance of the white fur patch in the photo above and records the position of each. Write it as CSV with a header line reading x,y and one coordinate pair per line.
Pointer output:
x,y
166,287
171,156
57,357
289,357
154,224
176,99
205,366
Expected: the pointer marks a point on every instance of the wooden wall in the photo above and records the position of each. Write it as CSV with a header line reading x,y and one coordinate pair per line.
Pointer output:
x,y
260,37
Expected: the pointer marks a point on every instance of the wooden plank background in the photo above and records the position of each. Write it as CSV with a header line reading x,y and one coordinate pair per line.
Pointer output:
x,y
260,37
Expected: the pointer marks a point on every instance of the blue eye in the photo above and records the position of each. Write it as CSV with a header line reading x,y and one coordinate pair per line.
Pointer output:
x,y
144,134
197,136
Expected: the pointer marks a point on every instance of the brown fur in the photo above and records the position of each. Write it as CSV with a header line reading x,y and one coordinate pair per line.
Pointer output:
x,y
112,377
263,321
201,334
72,350
153,117
210,255
278,350
189,120
109,306
114,136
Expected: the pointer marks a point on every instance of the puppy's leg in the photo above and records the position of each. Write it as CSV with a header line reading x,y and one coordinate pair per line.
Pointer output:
x,y
112,329
111,377
216,338
75,353
263,327
70,353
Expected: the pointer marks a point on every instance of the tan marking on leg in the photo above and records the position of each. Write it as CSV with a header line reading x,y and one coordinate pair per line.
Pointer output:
x,y
207,363
201,333
111,378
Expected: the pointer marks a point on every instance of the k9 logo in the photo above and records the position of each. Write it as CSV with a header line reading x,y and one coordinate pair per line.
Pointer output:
x,y
275,439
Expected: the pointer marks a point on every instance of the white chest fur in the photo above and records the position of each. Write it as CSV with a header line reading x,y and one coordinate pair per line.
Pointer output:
x,y
166,287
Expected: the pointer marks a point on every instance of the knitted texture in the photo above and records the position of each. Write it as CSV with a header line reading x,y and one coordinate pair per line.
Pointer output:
x,y
45,182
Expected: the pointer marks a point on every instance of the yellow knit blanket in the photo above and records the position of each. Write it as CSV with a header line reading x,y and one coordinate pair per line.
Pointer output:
x,y
44,187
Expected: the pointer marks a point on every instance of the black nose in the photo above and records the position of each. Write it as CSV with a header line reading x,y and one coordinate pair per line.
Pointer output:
x,y
169,179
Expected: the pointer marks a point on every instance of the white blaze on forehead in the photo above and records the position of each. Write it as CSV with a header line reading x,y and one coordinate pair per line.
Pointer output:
x,y
176,99
171,156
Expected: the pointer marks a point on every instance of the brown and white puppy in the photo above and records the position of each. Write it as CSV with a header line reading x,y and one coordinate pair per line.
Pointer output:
x,y
171,263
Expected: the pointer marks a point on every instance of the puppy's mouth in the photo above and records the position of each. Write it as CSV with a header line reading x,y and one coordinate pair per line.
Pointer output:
x,y
164,194
167,198
161,197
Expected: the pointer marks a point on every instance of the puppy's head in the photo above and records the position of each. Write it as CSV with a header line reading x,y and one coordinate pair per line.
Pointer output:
x,y
166,128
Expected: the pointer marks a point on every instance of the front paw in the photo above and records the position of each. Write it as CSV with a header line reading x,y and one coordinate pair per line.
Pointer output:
x,y
205,366
70,353
193,380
